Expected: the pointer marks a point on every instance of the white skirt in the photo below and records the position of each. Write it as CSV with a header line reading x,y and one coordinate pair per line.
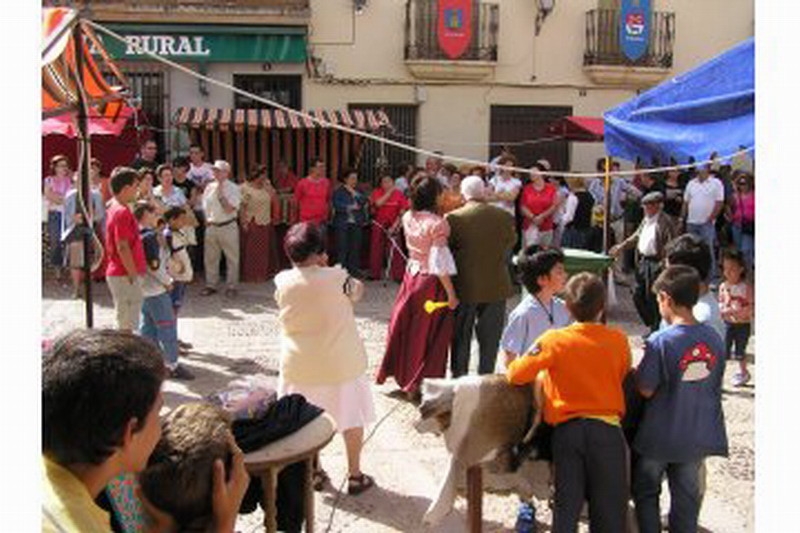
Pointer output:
x,y
349,403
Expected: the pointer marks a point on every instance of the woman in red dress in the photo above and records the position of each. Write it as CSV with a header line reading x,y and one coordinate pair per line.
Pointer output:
x,y
538,202
418,342
388,203
259,250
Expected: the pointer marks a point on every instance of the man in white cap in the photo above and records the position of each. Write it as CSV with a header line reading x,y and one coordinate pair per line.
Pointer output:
x,y
481,239
221,200
650,239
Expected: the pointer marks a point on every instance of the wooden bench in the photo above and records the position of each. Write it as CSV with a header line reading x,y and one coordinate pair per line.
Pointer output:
x,y
302,445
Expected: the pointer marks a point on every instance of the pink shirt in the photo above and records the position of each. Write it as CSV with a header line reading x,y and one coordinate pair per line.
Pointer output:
x,y
60,186
423,231
744,207
121,225
313,197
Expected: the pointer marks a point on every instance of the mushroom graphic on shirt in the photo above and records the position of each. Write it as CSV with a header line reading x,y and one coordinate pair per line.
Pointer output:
x,y
697,363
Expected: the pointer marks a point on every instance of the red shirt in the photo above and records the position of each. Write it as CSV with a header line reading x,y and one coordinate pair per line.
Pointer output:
x,y
537,202
388,213
313,197
121,225
286,182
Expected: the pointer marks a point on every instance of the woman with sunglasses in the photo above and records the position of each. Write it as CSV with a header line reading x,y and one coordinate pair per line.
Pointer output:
x,y
743,217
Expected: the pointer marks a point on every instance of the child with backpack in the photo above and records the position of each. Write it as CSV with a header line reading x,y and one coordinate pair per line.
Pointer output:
x,y
158,318
179,266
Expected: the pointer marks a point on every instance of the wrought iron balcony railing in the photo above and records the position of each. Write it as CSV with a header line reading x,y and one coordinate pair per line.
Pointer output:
x,y
421,32
603,47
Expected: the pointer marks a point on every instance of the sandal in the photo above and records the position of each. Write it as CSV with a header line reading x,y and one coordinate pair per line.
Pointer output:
x,y
414,396
358,484
318,479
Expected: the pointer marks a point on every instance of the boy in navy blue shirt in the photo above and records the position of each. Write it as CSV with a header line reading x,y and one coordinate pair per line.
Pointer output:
x,y
681,375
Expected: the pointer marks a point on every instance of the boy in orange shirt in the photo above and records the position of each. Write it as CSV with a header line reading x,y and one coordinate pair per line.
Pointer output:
x,y
586,364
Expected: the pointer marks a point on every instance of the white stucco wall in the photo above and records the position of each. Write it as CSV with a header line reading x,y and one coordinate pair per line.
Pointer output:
x,y
364,56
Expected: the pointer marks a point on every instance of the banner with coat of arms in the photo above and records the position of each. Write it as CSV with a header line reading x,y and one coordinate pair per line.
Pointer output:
x,y
634,31
454,27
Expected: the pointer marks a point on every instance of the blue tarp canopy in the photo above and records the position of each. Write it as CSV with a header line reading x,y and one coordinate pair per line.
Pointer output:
x,y
708,109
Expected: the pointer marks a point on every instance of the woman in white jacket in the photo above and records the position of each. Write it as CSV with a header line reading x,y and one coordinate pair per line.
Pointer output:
x,y
322,356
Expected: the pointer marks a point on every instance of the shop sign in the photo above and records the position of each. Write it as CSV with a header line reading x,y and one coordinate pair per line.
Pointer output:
x,y
187,43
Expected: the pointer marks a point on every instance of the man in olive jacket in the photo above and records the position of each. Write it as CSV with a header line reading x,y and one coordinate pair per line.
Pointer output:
x,y
481,239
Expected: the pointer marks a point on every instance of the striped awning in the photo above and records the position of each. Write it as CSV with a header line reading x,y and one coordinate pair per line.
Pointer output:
x,y
253,119
59,68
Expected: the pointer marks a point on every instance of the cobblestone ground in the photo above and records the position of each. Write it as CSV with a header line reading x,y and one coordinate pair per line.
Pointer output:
x,y
239,337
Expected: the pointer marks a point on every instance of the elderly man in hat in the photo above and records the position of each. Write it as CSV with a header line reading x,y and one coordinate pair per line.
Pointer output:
x,y
650,238
481,238
221,199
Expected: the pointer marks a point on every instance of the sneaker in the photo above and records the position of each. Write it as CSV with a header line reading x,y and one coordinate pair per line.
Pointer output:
x,y
180,372
526,518
207,291
740,378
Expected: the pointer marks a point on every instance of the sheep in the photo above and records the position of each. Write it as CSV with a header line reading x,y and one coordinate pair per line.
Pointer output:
x,y
483,419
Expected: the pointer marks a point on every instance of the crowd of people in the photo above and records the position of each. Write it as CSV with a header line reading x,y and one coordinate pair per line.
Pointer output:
x,y
456,231
714,201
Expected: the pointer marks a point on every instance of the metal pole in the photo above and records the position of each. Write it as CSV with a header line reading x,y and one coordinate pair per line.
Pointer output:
x,y
85,190
607,206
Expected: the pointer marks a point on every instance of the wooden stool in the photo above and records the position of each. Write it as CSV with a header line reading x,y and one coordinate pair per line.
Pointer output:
x,y
302,445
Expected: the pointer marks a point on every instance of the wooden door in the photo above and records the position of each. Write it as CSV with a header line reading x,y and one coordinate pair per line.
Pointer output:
x,y
513,124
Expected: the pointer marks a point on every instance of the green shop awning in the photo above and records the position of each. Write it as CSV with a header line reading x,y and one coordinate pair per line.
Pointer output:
x,y
206,43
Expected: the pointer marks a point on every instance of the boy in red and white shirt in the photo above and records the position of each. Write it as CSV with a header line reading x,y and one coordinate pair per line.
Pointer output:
x,y
126,262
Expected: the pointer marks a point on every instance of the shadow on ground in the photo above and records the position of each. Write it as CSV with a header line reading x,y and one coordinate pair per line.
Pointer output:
x,y
394,510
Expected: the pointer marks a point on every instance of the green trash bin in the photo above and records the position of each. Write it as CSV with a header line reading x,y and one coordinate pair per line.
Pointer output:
x,y
576,260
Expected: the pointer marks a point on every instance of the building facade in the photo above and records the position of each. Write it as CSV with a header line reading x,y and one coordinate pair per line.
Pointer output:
x,y
513,68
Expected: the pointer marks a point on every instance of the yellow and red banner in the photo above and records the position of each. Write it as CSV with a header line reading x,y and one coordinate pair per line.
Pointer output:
x,y
454,27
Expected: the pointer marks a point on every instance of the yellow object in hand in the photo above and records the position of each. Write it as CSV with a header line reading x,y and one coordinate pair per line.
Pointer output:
x,y
431,306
